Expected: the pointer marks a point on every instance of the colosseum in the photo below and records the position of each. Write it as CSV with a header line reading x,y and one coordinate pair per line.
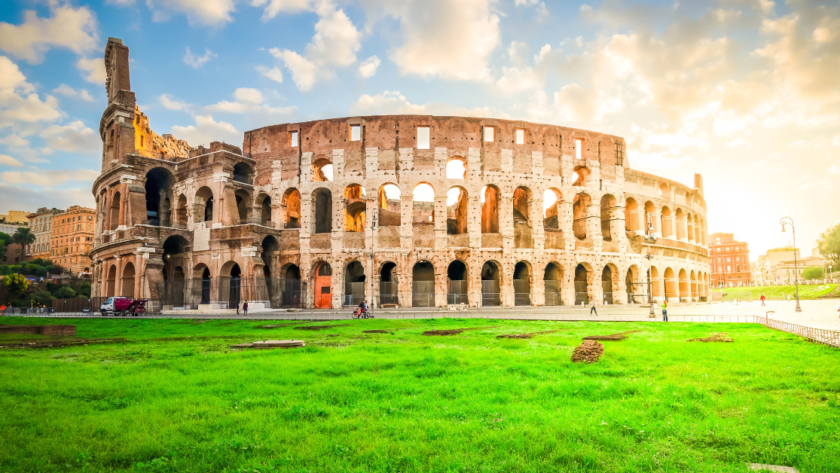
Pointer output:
x,y
400,210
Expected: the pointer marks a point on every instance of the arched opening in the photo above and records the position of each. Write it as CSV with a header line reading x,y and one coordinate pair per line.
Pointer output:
x,y
354,284
581,285
630,285
202,273
354,208
178,280
243,206
671,293
174,288
607,285
275,286
456,211
490,196
680,225
264,204
388,285
521,284
243,173
685,289
522,218
111,282
159,182
456,274
664,191
128,280
690,224
230,284
115,211
490,284
291,204
423,204
423,285
181,212
580,212
551,209
608,208
580,176
323,286
204,205
292,292
553,280
650,221
322,170
456,168
653,277
695,295
390,206
631,216
667,223
322,210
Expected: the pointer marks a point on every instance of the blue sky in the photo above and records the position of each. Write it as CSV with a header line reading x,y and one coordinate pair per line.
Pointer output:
x,y
743,91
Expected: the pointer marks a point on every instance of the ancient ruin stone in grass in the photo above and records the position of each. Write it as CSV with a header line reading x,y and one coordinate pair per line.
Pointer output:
x,y
589,351
613,337
375,331
271,344
715,337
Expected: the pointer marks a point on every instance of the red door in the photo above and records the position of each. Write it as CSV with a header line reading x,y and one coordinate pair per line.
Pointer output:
x,y
323,293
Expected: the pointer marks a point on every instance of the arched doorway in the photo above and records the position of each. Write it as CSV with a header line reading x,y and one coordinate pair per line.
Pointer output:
x,y
521,284
685,290
205,285
388,285
490,285
178,282
111,282
553,280
423,285
114,217
522,229
631,285
607,285
322,210
456,273
323,286
292,294
234,291
354,284
128,281
204,205
671,293
158,188
490,209
581,285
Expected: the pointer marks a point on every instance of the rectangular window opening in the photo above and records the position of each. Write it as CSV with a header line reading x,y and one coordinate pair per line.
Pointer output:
x,y
520,136
489,133
578,148
355,132
293,139
423,137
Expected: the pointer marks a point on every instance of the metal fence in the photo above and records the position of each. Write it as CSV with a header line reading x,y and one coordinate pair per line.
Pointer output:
x,y
490,294
423,294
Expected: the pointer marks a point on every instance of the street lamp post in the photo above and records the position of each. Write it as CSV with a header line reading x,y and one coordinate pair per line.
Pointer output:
x,y
789,221
372,268
650,239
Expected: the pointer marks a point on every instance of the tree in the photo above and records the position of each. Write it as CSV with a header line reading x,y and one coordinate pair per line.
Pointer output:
x,y
15,284
5,241
65,293
814,272
42,297
84,289
23,236
829,244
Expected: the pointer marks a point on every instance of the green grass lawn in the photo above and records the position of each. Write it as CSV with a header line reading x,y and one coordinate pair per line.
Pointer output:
x,y
403,402
779,292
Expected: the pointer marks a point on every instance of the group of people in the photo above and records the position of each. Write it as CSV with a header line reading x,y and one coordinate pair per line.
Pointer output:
x,y
664,306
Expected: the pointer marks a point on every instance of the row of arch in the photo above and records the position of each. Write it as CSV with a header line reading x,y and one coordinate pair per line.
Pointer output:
x,y
665,221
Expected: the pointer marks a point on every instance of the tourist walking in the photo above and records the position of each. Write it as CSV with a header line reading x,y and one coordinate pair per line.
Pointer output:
x,y
762,300
592,308
245,307
665,311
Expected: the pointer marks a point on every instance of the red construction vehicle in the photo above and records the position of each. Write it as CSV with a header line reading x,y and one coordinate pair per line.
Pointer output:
x,y
123,306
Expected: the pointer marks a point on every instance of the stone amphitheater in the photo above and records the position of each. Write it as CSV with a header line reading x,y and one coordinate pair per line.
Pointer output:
x,y
398,210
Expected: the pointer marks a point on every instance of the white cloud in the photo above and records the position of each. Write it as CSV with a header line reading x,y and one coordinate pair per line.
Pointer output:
x,y
171,103
67,27
14,140
273,7
207,130
304,72
274,74
249,101
195,61
49,177
121,3
739,143
18,110
18,197
73,138
94,68
70,92
11,78
392,102
244,94
198,12
6,160
368,67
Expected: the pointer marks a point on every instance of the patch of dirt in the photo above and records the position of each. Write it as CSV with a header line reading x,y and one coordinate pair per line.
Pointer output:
x,y
589,351
272,326
524,336
433,333
613,337
320,327
715,337
57,343
377,331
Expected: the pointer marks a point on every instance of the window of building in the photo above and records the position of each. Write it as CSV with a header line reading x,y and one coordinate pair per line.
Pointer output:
x,y
90,217
355,132
578,148
423,137
619,153
489,133
728,268
520,136
293,139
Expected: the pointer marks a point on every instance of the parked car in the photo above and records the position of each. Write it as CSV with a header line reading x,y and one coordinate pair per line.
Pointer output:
x,y
122,306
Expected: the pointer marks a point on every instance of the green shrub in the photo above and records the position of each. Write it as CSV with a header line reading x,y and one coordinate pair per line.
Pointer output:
x,y
55,269
15,284
64,293
42,297
30,268
41,272
52,286
812,273
84,289
21,302
4,270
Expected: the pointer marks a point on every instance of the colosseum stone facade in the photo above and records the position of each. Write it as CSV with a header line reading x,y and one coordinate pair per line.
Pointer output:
x,y
405,210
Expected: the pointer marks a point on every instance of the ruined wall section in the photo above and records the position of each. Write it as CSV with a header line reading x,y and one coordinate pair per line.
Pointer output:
x,y
150,144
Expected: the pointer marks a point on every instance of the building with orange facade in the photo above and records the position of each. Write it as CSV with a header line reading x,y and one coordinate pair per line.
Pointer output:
x,y
72,238
730,260
40,224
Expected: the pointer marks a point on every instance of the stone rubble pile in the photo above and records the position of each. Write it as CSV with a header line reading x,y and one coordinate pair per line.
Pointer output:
x,y
589,351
